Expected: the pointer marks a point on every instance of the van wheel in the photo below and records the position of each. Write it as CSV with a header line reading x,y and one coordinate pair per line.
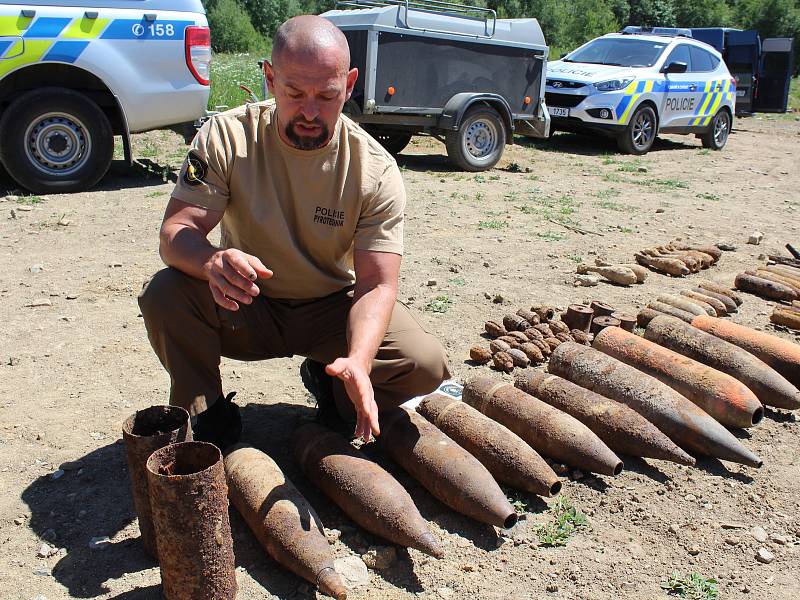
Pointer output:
x,y
640,133
717,135
55,140
479,142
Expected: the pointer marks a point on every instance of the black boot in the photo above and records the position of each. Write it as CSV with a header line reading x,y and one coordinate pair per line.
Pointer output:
x,y
221,424
320,385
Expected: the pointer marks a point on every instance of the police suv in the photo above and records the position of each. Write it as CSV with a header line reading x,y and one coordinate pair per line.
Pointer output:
x,y
636,84
73,74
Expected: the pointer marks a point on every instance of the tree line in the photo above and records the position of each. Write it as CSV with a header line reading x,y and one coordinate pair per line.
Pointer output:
x,y
248,25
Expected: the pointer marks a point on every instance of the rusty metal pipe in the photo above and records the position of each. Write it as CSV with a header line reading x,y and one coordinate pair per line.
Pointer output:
x,y
144,432
620,427
668,309
780,354
509,459
726,399
764,287
189,499
362,489
768,385
282,520
685,423
446,470
547,430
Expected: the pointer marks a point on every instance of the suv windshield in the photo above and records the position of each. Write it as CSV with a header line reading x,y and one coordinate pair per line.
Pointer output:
x,y
621,52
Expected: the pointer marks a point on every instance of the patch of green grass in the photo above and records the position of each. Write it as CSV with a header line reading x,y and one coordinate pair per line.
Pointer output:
x,y
708,196
148,150
551,236
517,499
494,177
794,95
632,166
566,521
514,168
607,193
30,200
613,178
479,196
154,194
621,229
666,183
692,586
704,151
608,159
494,224
228,71
458,281
440,304
611,205
479,179
575,258
533,178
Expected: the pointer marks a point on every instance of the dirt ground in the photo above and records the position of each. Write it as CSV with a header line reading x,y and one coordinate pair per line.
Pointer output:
x,y
75,362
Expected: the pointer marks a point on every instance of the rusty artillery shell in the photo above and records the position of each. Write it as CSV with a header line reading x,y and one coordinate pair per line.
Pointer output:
x,y
686,424
533,334
189,500
480,355
446,470
672,311
515,323
714,252
671,266
785,270
600,323
764,287
727,301
723,397
503,362
558,327
793,284
518,336
683,303
720,308
786,317
689,262
494,329
619,426
553,342
626,321
282,520
546,429
144,432
695,299
532,351
640,272
703,259
780,354
767,384
543,329
578,316
614,274
499,346
646,315
564,337
721,289
519,357
506,455
362,489
543,346
601,309
580,336
508,340
530,316
546,313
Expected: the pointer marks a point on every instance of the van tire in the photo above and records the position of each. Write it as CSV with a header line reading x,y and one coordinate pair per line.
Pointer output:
x,y
641,131
55,140
479,142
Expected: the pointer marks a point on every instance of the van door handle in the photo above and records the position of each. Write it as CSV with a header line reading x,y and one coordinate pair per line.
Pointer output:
x,y
28,13
693,88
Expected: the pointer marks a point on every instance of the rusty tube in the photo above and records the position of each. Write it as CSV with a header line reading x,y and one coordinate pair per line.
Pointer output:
x,y
600,323
727,301
786,316
764,287
668,309
712,307
189,499
578,316
547,430
626,321
721,289
726,399
362,489
792,284
144,432
620,427
646,315
682,303
686,424
780,354
509,459
601,309
282,520
768,385
447,471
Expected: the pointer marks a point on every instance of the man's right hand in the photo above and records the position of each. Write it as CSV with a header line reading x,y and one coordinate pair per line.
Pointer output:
x,y
231,275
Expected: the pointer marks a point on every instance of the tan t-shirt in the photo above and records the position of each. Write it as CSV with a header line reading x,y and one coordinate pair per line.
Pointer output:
x,y
301,212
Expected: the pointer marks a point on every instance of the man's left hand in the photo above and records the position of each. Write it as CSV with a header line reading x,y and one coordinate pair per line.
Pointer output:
x,y
355,376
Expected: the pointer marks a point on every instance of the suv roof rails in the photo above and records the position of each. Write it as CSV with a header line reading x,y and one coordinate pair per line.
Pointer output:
x,y
663,31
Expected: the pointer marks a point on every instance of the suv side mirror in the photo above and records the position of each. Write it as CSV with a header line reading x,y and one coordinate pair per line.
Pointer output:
x,y
674,67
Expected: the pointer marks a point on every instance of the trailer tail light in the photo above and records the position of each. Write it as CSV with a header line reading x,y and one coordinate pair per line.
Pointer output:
x,y
391,90
197,42
526,100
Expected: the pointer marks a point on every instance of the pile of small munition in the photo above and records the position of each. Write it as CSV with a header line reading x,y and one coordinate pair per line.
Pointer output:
x,y
780,281
678,260
706,298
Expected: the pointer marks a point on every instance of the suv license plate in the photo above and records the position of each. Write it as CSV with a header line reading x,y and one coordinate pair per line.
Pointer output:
x,y
741,93
556,111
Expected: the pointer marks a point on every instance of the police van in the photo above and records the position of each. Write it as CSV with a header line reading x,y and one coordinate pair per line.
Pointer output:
x,y
637,84
75,74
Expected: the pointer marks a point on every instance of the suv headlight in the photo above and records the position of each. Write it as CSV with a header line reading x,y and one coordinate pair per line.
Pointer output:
x,y
612,85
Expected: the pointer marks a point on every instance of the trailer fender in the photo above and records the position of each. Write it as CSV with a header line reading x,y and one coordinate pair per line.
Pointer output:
x,y
457,106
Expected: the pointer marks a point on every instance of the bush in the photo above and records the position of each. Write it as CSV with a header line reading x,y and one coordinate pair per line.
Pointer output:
x,y
231,29
267,15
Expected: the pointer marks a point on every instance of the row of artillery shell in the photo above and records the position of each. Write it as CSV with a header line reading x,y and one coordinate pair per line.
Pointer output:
x,y
706,298
683,422
765,288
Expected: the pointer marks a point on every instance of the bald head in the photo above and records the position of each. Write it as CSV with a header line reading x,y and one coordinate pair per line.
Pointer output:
x,y
310,39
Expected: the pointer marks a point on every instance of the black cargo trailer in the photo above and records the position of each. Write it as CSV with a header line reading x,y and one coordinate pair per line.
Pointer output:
x,y
452,71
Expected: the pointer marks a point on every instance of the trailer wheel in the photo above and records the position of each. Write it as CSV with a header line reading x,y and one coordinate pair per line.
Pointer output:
x,y
394,143
478,143
640,133
717,135
55,140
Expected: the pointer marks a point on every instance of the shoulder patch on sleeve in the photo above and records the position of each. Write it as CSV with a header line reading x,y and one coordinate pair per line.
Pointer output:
x,y
196,170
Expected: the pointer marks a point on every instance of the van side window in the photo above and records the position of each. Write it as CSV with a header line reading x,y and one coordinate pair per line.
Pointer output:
x,y
702,61
680,54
